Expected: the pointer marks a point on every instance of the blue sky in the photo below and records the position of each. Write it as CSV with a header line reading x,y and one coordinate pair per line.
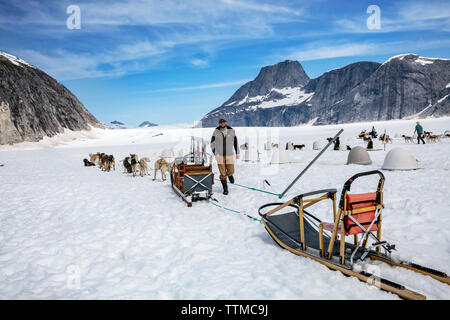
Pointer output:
x,y
173,61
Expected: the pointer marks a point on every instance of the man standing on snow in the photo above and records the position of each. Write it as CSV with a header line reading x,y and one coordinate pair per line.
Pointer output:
x,y
419,130
223,141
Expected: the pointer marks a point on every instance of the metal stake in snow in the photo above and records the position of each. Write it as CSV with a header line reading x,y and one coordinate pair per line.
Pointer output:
x,y
310,164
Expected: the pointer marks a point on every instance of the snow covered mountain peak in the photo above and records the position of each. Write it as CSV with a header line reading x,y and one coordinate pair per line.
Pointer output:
x,y
414,58
283,95
147,124
15,60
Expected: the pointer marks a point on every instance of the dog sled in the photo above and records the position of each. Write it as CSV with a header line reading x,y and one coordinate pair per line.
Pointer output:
x,y
191,176
358,216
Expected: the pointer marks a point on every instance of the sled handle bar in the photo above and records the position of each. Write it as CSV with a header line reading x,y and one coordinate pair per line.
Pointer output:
x,y
295,202
323,191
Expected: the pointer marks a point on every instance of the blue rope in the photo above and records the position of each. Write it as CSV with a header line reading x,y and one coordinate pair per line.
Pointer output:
x,y
232,210
253,189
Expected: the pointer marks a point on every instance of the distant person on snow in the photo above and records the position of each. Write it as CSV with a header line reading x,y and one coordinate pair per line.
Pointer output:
x,y
373,133
370,144
337,144
223,141
419,130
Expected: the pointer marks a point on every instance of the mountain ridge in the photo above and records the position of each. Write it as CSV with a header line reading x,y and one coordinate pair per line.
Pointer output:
x,y
147,124
402,86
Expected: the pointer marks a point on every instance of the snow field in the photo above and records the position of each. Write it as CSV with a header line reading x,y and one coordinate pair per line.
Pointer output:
x,y
67,231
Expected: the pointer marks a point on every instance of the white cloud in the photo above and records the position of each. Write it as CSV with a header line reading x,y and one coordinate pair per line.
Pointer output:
x,y
264,7
204,86
425,11
203,25
331,51
64,65
201,63
319,51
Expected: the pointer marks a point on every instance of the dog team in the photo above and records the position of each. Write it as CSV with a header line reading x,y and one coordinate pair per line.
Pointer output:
x,y
105,162
131,164
429,137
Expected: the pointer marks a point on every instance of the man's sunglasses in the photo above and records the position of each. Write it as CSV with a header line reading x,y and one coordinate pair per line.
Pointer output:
x,y
222,121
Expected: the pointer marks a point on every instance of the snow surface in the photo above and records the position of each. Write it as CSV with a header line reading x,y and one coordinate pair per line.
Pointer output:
x,y
420,59
399,57
292,96
443,98
423,61
132,238
17,61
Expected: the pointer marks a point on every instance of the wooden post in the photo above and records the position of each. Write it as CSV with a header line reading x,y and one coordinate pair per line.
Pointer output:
x,y
321,239
302,230
342,243
334,207
379,231
334,234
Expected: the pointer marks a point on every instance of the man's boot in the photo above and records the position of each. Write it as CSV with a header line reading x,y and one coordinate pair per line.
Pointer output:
x,y
225,186
231,178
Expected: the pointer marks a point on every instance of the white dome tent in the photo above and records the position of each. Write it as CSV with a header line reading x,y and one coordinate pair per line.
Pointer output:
x,y
280,156
317,145
399,159
359,155
251,154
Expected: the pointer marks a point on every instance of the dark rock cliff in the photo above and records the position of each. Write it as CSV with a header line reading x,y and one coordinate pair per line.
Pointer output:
x,y
34,105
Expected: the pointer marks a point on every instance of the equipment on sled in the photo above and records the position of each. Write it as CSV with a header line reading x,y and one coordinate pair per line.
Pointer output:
x,y
362,134
358,215
191,176
372,133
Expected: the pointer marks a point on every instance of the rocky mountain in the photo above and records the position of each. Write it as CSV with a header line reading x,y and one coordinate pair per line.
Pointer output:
x,y
147,124
34,105
283,95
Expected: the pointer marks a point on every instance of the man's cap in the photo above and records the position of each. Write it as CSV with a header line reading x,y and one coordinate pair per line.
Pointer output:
x,y
222,120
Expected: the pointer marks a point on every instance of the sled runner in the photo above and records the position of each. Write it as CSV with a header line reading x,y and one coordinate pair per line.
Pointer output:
x,y
358,216
191,177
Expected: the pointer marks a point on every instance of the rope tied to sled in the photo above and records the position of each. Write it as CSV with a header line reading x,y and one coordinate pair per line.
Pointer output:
x,y
232,210
253,188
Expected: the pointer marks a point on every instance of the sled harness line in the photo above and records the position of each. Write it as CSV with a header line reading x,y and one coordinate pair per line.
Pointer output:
x,y
253,189
235,211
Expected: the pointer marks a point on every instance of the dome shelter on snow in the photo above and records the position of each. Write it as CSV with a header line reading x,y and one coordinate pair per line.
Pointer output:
x,y
359,155
399,159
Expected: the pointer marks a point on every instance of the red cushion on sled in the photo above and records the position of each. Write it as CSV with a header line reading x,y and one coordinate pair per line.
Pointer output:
x,y
364,218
